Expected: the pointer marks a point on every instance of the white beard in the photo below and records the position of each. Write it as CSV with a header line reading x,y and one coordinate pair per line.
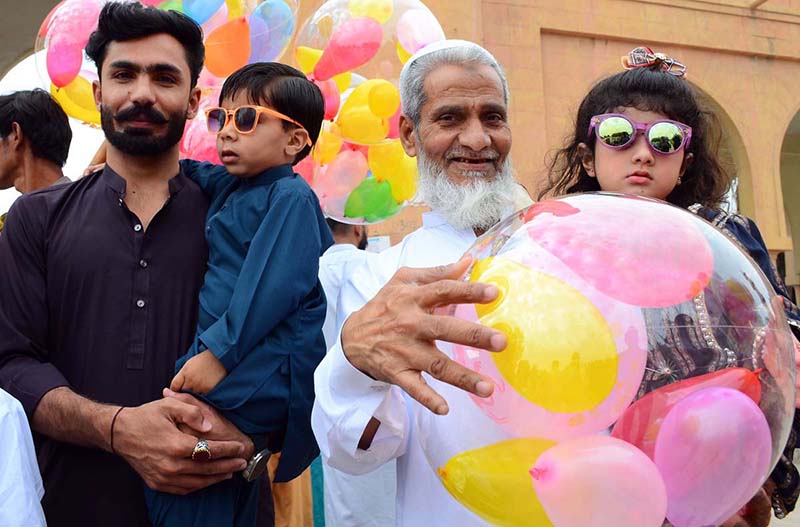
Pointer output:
x,y
476,204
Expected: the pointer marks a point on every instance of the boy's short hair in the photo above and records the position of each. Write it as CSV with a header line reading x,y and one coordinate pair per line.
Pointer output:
x,y
44,124
123,21
284,89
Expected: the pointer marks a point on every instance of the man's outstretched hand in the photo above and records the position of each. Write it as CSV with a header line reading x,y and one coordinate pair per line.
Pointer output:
x,y
393,337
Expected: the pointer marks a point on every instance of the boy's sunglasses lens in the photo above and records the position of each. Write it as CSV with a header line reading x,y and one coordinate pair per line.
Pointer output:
x,y
665,137
215,120
615,131
245,119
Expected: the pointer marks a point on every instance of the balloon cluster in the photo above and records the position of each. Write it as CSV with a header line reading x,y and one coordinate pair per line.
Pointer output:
x,y
354,50
649,372
237,32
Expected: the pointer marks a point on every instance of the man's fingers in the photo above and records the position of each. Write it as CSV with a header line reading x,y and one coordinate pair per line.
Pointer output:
x,y
215,467
442,367
190,415
414,385
447,292
427,275
457,331
225,449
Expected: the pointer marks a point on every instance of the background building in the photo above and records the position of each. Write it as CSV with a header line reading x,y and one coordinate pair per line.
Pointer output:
x,y
743,55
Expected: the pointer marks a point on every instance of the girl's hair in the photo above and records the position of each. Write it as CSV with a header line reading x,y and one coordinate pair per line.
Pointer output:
x,y
646,89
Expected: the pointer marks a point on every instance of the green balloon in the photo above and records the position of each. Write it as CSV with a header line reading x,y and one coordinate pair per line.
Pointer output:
x,y
172,5
371,200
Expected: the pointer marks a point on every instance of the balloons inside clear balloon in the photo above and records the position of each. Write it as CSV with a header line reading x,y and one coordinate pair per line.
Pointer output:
x,y
236,33
649,374
354,50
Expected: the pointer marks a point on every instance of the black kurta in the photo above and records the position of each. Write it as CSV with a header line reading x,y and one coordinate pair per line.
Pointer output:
x,y
90,300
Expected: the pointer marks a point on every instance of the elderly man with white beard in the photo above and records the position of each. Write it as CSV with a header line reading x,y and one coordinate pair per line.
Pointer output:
x,y
454,98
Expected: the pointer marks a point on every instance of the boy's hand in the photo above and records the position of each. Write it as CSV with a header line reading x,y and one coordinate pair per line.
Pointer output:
x,y
199,375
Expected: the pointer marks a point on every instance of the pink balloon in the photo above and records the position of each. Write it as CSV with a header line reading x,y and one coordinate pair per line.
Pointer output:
x,y
64,59
519,416
417,28
394,126
197,143
306,168
713,451
353,44
640,423
330,94
68,32
627,260
599,481
343,174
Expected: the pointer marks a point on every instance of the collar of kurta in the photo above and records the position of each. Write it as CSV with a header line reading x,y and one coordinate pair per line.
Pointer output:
x,y
271,175
118,184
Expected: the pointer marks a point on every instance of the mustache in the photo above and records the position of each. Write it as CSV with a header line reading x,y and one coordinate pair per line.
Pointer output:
x,y
141,113
467,153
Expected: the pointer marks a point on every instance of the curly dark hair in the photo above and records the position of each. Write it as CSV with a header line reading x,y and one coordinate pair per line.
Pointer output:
x,y
646,89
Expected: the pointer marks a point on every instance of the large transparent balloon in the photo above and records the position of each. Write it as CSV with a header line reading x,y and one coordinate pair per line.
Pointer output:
x,y
649,373
236,33
354,51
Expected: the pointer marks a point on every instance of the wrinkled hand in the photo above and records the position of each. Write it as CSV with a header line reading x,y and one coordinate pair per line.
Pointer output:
x,y
199,374
147,437
392,338
757,512
221,428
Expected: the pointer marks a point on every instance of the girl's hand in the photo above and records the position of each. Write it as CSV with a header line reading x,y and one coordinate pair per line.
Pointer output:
x,y
199,375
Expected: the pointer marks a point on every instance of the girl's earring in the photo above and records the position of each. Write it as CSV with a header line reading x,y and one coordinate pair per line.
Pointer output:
x,y
679,180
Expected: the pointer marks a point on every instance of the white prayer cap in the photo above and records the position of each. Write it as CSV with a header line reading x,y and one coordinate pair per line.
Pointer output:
x,y
438,46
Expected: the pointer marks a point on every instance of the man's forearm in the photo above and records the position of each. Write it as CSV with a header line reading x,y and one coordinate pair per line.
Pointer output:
x,y
66,416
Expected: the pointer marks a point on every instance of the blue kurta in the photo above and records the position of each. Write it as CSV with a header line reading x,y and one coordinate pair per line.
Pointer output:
x,y
261,311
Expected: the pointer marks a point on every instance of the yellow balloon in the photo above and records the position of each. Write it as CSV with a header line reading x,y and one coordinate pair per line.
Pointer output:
x,y
380,10
388,161
307,58
384,100
342,80
494,482
384,158
236,8
328,144
404,181
402,54
561,353
359,125
356,121
77,100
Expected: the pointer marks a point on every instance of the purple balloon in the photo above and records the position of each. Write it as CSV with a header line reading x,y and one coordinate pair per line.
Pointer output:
x,y
713,451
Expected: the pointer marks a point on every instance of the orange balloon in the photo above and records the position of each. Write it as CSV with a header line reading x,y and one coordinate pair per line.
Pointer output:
x,y
228,47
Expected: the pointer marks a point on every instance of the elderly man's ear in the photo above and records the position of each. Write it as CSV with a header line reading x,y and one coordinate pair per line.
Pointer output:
x,y
407,136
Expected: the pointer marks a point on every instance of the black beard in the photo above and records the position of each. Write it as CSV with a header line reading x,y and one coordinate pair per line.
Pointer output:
x,y
141,141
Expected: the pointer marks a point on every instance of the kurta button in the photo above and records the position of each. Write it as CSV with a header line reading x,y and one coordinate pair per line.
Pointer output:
x,y
137,227
142,263
140,303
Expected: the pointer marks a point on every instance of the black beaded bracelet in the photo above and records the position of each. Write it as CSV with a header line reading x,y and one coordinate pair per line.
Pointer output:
x,y
114,420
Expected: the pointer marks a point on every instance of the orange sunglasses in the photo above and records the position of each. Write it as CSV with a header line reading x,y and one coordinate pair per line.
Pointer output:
x,y
245,119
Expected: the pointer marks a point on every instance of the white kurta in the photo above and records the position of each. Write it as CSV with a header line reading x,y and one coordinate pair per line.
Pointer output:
x,y
21,487
367,500
346,399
